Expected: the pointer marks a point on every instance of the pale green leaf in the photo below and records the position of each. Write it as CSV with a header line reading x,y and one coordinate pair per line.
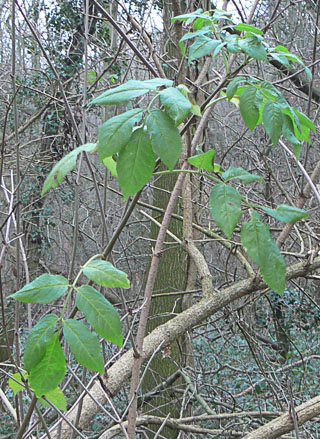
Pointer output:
x,y
225,207
65,165
39,335
50,371
135,163
44,289
242,174
286,214
177,106
84,345
248,28
111,165
57,398
105,274
165,137
14,386
204,160
258,243
101,315
115,133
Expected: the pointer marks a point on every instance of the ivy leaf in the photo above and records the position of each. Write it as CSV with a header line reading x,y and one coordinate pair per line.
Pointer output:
x,y
105,274
165,137
57,398
225,207
14,386
101,315
39,335
202,46
273,120
242,174
84,345
50,371
253,47
258,243
115,133
250,101
286,214
176,105
129,90
65,165
44,289
204,160
135,163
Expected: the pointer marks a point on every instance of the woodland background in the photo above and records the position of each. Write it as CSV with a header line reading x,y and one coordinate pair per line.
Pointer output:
x,y
237,360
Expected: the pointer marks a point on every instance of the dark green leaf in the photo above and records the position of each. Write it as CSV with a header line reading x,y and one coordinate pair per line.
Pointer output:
x,y
258,243
115,133
57,398
177,106
286,214
249,106
204,160
232,87
135,163
39,335
45,289
225,207
84,345
50,371
202,46
242,174
105,274
253,47
273,121
165,137
101,315
65,165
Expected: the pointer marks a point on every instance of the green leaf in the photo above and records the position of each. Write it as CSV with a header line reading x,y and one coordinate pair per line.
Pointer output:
x,y
14,386
84,345
289,132
65,165
111,165
176,105
204,160
248,28
272,120
249,106
253,47
115,133
233,43
202,46
282,59
39,335
57,398
258,243
304,120
242,174
189,35
44,289
286,214
165,137
105,274
129,90
135,163
233,86
195,109
50,371
101,315
225,207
